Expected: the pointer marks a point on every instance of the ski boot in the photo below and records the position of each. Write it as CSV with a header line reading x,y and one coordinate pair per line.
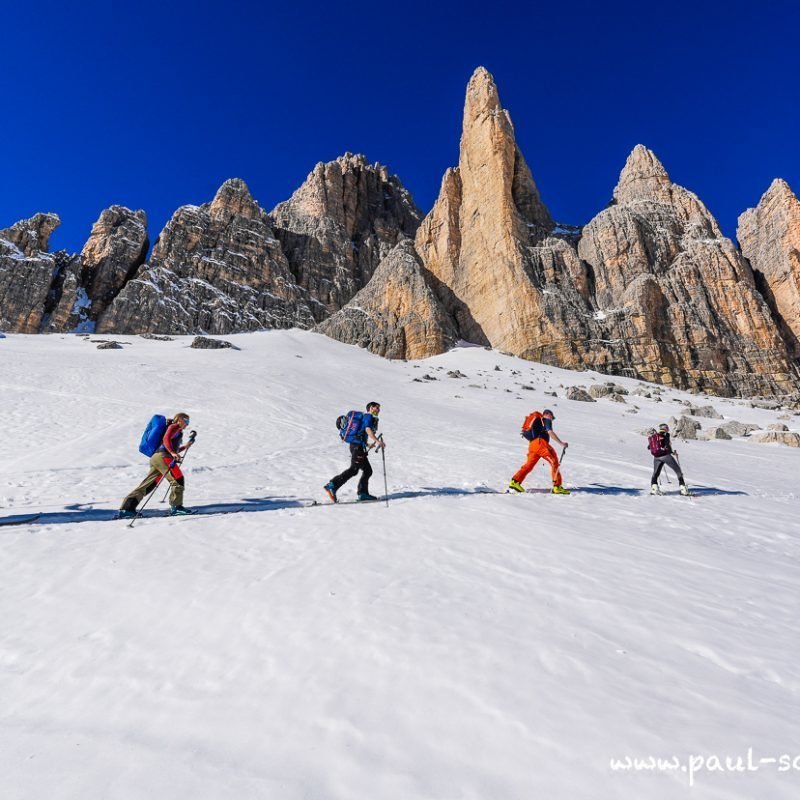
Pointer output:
x,y
560,490
366,497
654,489
331,490
685,490
179,511
515,486
125,514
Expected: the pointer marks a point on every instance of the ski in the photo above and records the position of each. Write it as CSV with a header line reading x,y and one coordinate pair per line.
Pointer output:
x,y
22,521
168,515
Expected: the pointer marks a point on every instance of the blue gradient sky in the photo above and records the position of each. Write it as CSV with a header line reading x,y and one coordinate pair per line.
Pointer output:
x,y
153,105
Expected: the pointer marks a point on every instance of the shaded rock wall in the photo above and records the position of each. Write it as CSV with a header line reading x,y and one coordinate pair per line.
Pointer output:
x,y
770,239
397,315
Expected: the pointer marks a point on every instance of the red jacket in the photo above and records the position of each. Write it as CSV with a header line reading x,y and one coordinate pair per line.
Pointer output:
x,y
172,439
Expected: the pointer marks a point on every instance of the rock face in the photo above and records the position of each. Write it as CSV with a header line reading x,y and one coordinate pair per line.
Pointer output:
x,y
770,239
397,315
32,236
487,241
674,295
30,277
339,225
115,250
216,268
650,288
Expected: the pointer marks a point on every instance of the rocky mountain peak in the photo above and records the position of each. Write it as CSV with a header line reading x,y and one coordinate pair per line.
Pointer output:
x,y
482,96
32,235
233,198
491,163
476,241
338,226
642,178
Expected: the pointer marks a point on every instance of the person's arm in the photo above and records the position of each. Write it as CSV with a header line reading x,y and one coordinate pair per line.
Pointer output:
x,y
374,440
555,436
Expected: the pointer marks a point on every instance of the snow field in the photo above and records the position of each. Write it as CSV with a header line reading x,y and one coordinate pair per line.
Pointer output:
x,y
454,645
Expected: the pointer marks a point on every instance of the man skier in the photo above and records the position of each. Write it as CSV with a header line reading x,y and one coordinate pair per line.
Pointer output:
x,y
163,463
537,429
363,431
659,445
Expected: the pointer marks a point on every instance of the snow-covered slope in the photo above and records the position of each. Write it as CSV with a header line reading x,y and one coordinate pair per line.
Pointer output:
x,y
456,644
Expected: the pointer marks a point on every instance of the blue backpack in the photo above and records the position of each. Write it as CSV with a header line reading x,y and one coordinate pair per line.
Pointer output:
x,y
153,434
352,425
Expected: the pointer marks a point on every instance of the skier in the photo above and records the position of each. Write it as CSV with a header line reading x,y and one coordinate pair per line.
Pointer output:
x,y
163,463
361,429
658,443
537,429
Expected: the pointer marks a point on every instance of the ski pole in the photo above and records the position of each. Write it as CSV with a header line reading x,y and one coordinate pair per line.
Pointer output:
x,y
385,482
192,437
563,451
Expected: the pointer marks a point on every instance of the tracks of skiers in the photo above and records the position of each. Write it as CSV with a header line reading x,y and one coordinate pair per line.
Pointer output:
x,y
90,514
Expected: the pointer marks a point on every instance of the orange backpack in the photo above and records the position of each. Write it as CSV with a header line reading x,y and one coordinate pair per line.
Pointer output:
x,y
527,426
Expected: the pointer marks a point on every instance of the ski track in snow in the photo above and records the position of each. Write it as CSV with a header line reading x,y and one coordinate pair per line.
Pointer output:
x,y
458,644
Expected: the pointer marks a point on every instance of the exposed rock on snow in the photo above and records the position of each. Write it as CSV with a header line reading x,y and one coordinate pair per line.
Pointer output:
x,y
788,438
684,427
735,428
204,343
708,412
579,393
397,315
714,433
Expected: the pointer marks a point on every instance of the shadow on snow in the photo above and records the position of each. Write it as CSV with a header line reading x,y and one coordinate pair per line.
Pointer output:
x,y
86,513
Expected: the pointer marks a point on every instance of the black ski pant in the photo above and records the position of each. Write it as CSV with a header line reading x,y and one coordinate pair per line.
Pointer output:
x,y
669,460
358,461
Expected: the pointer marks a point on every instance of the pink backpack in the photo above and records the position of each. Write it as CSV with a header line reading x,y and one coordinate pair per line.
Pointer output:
x,y
656,446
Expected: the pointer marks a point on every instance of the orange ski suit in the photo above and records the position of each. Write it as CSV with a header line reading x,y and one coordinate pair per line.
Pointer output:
x,y
537,449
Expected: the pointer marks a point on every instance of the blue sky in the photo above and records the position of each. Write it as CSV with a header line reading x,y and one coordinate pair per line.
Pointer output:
x,y
153,105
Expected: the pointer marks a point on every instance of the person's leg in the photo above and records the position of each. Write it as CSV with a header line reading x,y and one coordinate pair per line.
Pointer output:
x,y
530,463
549,455
352,470
177,483
658,465
673,464
366,473
345,476
141,491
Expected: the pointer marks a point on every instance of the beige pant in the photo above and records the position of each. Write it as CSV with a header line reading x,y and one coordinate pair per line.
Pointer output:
x,y
159,468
